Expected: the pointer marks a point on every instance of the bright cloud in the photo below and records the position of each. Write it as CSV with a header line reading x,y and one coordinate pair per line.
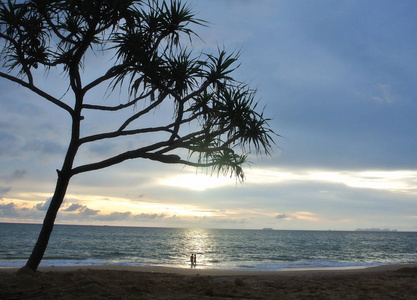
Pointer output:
x,y
199,182
400,181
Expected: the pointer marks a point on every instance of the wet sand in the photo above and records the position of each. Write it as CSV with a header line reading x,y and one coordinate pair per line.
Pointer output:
x,y
130,282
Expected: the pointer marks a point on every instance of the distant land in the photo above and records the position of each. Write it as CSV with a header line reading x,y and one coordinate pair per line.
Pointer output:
x,y
376,229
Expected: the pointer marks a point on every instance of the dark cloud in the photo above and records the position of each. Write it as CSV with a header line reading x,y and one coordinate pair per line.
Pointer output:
x,y
15,175
4,191
18,174
81,209
282,216
5,208
43,206
150,216
75,207
90,212
115,216
14,211
11,210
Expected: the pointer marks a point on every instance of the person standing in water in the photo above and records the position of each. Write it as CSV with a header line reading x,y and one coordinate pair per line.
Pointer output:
x,y
193,259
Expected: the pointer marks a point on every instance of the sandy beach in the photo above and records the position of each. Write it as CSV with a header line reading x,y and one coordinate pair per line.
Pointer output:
x,y
131,282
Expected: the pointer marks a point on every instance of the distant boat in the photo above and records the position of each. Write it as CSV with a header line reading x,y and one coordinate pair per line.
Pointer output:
x,y
267,228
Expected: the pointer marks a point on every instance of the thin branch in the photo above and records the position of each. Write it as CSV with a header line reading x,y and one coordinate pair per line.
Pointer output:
x,y
115,134
56,31
197,164
38,91
185,142
197,92
118,107
177,123
144,111
20,54
113,71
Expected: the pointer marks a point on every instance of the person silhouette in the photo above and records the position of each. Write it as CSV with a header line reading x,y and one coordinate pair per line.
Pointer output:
x,y
192,259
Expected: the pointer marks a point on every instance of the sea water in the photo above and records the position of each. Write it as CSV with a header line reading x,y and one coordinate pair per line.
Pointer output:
x,y
223,249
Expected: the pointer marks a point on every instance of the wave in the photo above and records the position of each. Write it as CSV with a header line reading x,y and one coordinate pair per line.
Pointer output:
x,y
247,266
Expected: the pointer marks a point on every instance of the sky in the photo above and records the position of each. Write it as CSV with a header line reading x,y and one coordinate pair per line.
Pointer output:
x,y
336,77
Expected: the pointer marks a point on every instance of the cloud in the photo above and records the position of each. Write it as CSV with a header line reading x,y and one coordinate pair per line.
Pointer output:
x,y
283,216
395,181
8,210
150,216
15,175
219,220
12,211
198,182
128,216
4,191
384,94
115,216
306,216
302,215
43,206
90,212
81,209
75,207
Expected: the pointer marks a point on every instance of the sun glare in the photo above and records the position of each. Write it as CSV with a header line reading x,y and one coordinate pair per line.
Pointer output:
x,y
199,182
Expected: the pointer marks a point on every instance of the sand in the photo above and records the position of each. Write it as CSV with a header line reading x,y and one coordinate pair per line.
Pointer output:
x,y
128,282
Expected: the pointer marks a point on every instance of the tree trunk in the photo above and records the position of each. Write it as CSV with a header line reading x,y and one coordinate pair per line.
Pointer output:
x,y
48,223
64,177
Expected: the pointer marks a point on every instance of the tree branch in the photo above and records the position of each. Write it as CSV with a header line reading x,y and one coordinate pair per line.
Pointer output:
x,y
56,31
115,134
118,107
144,111
169,159
113,71
38,91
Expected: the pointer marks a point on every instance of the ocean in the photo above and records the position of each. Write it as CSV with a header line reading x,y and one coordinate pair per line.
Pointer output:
x,y
222,249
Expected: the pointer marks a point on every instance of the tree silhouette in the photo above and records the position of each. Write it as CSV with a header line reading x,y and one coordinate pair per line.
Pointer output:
x,y
214,122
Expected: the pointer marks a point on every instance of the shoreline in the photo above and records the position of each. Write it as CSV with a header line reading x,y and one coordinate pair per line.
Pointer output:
x,y
218,272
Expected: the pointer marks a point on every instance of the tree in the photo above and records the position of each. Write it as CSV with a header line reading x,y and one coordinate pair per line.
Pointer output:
x,y
214,125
